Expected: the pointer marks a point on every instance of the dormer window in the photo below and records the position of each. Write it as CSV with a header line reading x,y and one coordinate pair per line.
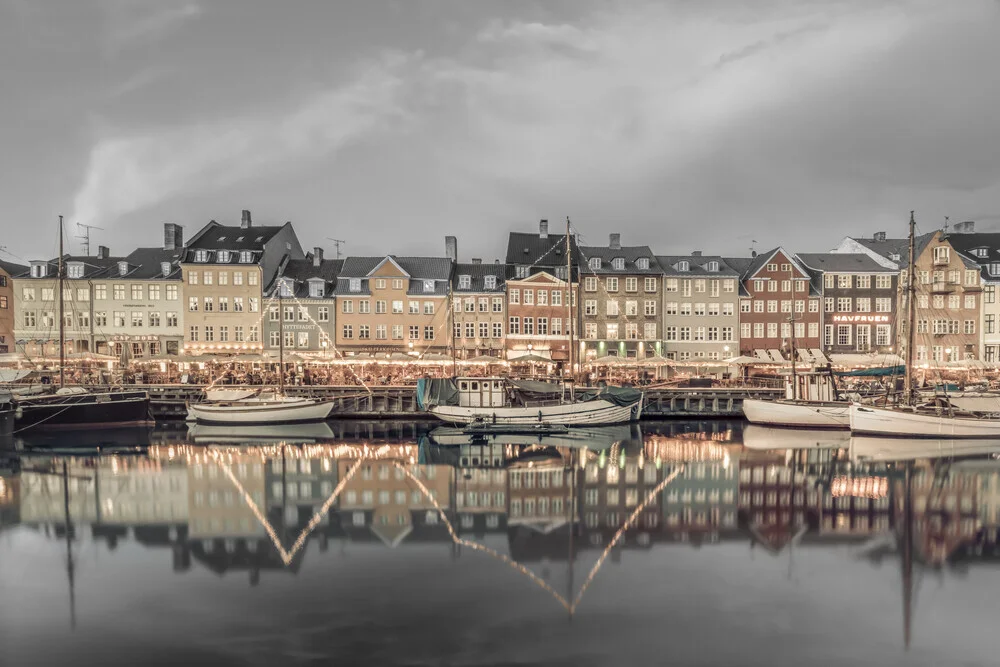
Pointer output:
x,y
683,266
464,282
316,289
39,270
981,252
201,256
74,270
428,286
594,263
258,239
239,238
285,287
895,257
223,256
642,263
165,268
618,263
522,271
490,282
122,268
222,238
355,285
712,267
561,272
246,257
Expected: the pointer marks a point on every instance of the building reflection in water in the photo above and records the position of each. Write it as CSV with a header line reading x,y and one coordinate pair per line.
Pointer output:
x,y
255,508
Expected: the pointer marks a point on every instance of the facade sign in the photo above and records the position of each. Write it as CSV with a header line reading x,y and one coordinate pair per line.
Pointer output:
x,y
861,318
126,338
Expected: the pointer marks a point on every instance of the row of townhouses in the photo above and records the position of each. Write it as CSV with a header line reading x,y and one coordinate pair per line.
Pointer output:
x,y
233,289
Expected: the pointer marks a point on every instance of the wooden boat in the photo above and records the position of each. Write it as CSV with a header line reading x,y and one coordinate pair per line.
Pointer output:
x,y
263,408
801,413
869,448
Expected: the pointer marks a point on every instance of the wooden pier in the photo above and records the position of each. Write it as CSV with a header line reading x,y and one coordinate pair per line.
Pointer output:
x,y
169,401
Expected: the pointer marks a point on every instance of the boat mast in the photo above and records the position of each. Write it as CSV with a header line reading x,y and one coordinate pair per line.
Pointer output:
x,y
569,309
451,326
62,325
281,339
70,567
911,317
791,320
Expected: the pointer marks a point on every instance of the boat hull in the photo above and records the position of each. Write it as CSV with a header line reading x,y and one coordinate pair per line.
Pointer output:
x,y
867,420
875,448
597,438
804,414
587,413
83,410
781,437
276,412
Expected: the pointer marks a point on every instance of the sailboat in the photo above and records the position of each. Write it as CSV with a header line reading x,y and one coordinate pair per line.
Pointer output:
x,y
935,419
265,406
78,407
496,405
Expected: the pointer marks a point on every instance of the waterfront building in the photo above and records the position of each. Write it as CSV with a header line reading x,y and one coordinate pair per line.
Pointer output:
x,y
7,305
137,301
393,304
621,301
539,293
218,494
479,309
949,292
37,309
226,271
777,293
984,249
859,301
298,484
702,499
307,299
700,307
541,492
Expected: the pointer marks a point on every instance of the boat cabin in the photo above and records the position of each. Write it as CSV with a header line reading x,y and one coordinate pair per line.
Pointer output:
x,y
812,386
482,392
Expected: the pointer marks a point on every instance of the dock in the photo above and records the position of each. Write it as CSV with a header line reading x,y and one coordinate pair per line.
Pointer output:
x,y
400,402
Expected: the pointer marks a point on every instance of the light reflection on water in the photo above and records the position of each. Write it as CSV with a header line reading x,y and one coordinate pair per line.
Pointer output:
x,y
830,510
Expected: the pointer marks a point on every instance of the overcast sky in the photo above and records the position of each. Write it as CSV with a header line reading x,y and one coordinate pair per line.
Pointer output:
x,y
683,125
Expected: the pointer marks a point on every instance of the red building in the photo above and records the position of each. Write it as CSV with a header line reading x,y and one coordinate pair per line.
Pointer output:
x,y
777,293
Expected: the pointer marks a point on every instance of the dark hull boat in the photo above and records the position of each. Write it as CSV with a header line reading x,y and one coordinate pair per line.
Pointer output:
x,y
83,410
7,411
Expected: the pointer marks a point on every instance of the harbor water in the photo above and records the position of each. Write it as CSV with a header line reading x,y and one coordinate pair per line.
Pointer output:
x,y
346,543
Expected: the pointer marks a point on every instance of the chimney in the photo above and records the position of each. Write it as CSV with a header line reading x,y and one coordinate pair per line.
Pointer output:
x,y
103,252
245,222
967,227
879,236
317,256
173,236
616,241
696,253
543,229
451,247
477,260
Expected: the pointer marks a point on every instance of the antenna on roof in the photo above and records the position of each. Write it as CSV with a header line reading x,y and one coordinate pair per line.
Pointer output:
x,y
336,244
85,237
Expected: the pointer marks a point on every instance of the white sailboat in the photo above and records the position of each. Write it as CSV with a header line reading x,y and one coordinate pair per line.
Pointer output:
x,y
935,419
264,407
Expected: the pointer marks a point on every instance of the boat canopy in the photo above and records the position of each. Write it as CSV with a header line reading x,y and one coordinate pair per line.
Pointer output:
x,y
875,372
432,392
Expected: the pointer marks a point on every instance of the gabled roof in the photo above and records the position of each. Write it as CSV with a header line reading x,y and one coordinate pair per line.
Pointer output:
x,y
841,262
477,273
214,236
761,260
533,250
738,264
146,264
13,269
302,271
418,269
629,253
696,266
892,247
93,267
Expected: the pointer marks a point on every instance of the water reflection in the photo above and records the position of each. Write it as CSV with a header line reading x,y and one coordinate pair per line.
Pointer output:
x,y
250,503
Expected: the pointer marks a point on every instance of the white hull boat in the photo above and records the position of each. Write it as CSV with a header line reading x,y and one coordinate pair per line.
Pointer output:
x,y
586,413
304,433
261,410
769,437
802,413
916,423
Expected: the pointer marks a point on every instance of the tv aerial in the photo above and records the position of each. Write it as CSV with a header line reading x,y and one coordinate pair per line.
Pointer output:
x,y
85,236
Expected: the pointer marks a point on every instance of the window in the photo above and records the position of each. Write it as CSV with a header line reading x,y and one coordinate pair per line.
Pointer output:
x,y
381,332
970,326
223,304
464,282
428,286
883,282
193,304
612,308
429,333
514,296
612,330
490,282
207,278
649,284
844,304
970,300
864,305
209,334
348,331
971,277
772,329
364,332
670,285
631,284
845,281
649,307
882,332
942,254
354,284
649,330
209,304
590,330
119,293
594,263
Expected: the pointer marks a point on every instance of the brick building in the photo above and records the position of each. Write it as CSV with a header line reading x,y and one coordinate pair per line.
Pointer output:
x,y
479,309
777,292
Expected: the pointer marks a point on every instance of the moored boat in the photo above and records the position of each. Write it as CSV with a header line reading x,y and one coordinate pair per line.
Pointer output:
x,y
924,421
777,437
261,409
801,413
497,401
73,409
